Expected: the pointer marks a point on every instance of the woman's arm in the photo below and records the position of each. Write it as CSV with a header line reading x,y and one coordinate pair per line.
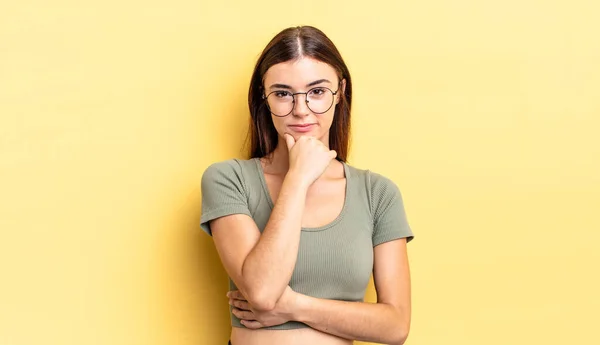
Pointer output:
x,y
261,266
387,321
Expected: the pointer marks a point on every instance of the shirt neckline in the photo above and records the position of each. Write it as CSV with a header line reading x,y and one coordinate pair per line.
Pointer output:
x,y
265,189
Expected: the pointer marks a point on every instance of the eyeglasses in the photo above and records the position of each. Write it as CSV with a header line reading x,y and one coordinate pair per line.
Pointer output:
x,y
318,99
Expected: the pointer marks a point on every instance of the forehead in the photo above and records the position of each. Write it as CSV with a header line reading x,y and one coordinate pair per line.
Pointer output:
x,y
299,73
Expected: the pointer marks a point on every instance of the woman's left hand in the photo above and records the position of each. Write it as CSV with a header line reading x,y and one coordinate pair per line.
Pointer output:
x,y
255,319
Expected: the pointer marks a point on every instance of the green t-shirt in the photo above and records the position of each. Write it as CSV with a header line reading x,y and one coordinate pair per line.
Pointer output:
x,y
335,261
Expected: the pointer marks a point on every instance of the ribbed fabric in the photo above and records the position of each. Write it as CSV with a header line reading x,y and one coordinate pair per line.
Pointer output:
x,y
334,261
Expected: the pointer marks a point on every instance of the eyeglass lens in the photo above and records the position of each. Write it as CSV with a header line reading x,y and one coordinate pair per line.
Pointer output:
x,y
318,100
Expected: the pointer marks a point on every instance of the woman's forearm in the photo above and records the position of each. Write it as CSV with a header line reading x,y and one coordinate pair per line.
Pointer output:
x,y
268,268
372,322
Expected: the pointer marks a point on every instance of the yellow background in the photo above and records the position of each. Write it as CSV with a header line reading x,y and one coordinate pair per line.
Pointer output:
x,y
486,114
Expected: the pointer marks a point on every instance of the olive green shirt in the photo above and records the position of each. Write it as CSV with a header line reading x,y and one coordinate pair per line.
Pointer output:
x,y
335,261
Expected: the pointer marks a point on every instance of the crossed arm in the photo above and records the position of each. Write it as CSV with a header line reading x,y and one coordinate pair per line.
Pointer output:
x,y
387,321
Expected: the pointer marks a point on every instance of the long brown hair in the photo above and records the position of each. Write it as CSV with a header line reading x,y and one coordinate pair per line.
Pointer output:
x,y
290,44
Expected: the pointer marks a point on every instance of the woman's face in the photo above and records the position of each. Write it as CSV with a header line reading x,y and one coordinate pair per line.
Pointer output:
x,y
314,119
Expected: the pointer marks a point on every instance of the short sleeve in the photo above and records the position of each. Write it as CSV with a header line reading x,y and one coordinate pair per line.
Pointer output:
x,y
389,216
223,192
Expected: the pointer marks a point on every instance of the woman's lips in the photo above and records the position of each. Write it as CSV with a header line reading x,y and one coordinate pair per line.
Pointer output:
x,y
302,128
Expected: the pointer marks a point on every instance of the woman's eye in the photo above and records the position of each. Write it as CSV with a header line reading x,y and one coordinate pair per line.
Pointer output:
x,y
282,94
317,91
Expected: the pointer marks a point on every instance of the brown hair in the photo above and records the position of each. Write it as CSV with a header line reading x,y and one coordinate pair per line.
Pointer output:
x,y
289,44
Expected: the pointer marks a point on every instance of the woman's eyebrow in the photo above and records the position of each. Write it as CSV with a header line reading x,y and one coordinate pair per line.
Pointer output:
x,y
280,86
284,86
318,82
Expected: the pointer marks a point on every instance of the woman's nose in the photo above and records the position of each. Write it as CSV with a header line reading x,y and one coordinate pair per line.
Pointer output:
x,y
300,105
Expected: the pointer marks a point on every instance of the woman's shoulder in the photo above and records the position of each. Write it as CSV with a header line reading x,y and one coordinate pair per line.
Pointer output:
x,y
230,165
380,189
372,179
229,170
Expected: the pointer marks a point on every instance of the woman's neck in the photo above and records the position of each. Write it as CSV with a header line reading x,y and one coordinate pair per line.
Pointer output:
x,y
278,161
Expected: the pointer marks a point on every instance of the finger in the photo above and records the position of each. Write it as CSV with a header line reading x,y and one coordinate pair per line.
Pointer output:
x,y
236,294
289,140
243,314
243,305
252,324
332,154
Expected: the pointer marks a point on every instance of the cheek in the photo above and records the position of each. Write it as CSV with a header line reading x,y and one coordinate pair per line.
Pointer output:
x,y
327,118
277,123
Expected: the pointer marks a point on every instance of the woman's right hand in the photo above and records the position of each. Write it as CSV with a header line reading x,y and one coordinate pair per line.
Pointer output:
x,y
308,157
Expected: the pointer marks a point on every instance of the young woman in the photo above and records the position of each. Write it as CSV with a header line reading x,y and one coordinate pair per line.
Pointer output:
x,y
298,230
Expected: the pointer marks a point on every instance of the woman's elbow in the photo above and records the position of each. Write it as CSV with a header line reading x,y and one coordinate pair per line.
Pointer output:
x,y
400,332
400,337
261,300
